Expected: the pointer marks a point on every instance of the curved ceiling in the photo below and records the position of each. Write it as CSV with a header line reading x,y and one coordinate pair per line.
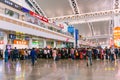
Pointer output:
x,y
57,8
98,28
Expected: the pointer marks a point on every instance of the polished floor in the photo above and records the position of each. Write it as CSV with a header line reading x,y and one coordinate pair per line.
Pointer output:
x,y
60,70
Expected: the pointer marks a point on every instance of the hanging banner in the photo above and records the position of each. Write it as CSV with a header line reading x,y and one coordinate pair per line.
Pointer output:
x,y
38,16
76,34
76,37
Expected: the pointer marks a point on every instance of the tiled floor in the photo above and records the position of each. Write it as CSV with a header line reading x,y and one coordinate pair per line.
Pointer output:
x,y
60,70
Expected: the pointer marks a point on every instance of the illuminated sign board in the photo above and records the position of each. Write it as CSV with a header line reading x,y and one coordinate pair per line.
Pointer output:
x,y
20,42
117,36
38,16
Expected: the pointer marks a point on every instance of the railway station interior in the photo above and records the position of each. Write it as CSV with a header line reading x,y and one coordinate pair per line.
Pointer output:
x,y
59,39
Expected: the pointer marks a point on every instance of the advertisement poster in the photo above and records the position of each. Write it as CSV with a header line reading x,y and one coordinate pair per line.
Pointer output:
x,y
116,36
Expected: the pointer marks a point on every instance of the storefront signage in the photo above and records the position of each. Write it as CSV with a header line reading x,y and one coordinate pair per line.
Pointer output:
x,y
12,36
35,42
12,4
38,16
20,42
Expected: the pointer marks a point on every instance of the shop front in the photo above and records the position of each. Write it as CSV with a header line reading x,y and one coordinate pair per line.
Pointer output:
x,y
37,43
50,43
18,40
59,44
20,44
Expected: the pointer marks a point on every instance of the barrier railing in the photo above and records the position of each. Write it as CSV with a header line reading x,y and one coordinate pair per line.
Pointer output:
x,y
30,25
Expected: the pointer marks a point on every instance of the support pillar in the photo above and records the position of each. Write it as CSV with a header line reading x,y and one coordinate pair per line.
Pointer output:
x,y
55,44
30,43
45,43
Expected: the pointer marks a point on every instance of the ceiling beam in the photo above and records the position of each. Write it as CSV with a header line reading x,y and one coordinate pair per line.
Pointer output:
x,y
89,25
99,37
91,17
37,7
74,6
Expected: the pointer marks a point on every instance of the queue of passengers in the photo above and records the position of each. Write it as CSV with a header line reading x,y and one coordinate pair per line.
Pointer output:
x,y
63,53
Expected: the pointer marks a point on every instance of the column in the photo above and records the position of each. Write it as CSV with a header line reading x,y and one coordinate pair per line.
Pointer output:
x,y
76,38
30,43
45,43
5,43
74,44
116,20
55,44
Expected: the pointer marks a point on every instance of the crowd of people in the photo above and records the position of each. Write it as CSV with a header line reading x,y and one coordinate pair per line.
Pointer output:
x,y
63,53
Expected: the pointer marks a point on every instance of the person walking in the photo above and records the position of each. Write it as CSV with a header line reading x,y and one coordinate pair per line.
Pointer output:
x,y
15,54
89,56
72,53
6,55
112,53
33,56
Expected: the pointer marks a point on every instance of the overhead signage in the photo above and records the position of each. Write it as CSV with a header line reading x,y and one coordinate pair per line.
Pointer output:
x,y
38,16
12,4
71,29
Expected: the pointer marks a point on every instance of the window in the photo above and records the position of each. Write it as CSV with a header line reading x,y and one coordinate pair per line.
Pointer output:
x,y
11,13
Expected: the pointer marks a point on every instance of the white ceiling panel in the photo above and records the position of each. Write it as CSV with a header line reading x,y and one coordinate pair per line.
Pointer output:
x,y
84,30
55,8
101,28
86,6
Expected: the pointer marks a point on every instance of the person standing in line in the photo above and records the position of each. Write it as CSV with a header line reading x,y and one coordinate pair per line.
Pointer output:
x,y
45,53
33,56
89,56
112,53
116,52
54,54
72,53
6,55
